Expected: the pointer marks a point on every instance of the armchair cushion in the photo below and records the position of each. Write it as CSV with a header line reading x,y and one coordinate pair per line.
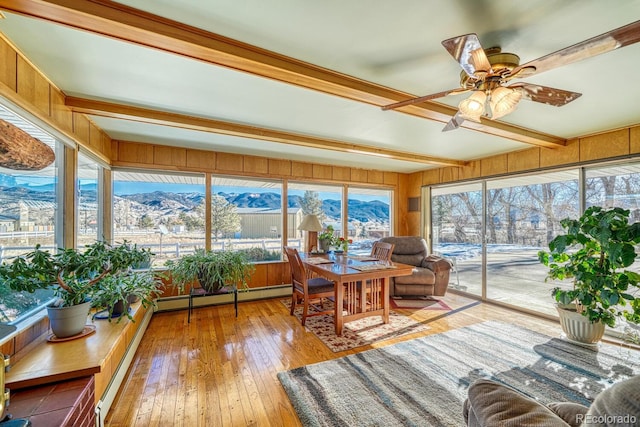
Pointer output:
x,y
430,276
436,263
419,276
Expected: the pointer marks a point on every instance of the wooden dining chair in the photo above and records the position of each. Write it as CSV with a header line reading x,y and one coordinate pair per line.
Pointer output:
x,y
382,251
307,289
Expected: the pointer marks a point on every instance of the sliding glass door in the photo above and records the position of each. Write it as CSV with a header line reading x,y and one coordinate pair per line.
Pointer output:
x,y
456,214
522,215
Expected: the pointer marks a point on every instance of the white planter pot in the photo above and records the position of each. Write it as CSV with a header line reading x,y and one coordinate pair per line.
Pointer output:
x,y
68,321
578,328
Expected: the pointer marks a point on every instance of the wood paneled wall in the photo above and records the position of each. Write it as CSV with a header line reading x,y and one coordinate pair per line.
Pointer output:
x,y
150,156
614,144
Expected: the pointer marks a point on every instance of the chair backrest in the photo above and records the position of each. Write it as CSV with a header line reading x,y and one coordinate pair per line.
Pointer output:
x,y
382,251
298,274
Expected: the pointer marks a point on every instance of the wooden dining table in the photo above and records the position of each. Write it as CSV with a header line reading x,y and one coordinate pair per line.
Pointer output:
x,y
362,284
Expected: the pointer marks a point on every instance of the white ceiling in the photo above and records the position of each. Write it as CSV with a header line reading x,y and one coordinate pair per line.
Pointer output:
x,y
393,44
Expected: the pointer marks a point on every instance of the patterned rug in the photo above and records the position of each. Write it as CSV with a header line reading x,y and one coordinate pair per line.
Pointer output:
x,y
419,304
423,382
359,332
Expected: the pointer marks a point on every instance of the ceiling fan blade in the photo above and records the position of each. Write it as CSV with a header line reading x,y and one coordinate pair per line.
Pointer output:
x,y
423,98
454,123
470,55
614,39
545,94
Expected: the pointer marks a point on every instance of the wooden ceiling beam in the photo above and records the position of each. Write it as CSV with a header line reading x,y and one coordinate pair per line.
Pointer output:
x,y
144,115
121,22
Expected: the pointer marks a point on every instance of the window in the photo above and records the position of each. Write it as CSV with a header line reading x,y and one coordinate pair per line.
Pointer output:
x,y
325,201
523,216
369,217
161,211
88,213
616,186
29,215
246,214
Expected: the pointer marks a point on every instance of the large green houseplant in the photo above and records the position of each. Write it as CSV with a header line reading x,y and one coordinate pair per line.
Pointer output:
x,y
117,292
212,269
75,275
595,252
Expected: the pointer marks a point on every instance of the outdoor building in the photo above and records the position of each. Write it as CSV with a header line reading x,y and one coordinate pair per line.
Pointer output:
x,y
259,223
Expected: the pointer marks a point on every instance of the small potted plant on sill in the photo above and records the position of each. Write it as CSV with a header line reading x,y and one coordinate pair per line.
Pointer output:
x,y
75,275
212,269
117,292
595,252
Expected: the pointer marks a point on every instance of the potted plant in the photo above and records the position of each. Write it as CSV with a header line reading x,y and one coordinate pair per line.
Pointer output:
x,y
117,292
144,259
212,269
327,239
75,276
595,252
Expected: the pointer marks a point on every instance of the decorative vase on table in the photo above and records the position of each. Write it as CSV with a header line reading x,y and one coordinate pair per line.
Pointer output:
x,y
344,244
325,245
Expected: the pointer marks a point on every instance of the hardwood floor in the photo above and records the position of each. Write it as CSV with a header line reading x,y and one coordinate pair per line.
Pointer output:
x,y
221,371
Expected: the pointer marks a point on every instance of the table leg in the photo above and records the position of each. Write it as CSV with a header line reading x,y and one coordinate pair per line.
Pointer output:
x,y
385,299
339,295
235,300
190,307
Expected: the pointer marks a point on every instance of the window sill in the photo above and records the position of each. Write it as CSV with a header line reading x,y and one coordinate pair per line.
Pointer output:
x,y
96,354
24,325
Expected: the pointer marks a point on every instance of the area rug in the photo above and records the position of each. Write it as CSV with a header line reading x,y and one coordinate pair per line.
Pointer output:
x,y
359,332
419,304
424,381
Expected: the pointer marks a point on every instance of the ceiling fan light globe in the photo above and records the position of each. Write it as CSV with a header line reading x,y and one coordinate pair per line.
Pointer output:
x,y
504,101
472,108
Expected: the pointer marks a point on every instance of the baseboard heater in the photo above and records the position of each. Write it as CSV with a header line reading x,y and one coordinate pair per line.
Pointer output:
x,y
181,302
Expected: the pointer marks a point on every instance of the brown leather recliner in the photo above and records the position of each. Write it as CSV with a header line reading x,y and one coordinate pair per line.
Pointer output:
x,y
431,273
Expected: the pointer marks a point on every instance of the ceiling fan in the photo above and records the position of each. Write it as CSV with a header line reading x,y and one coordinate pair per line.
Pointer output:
x,y
486,72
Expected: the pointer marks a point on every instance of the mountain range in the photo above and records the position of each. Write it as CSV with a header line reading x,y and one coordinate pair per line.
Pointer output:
x,y
162,203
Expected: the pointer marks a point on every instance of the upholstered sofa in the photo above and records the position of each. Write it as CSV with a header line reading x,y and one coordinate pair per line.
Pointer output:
x,y
490,403
430,276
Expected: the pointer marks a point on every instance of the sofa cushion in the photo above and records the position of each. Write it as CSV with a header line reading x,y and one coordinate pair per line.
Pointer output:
x,y
618,405
570,412
493,404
